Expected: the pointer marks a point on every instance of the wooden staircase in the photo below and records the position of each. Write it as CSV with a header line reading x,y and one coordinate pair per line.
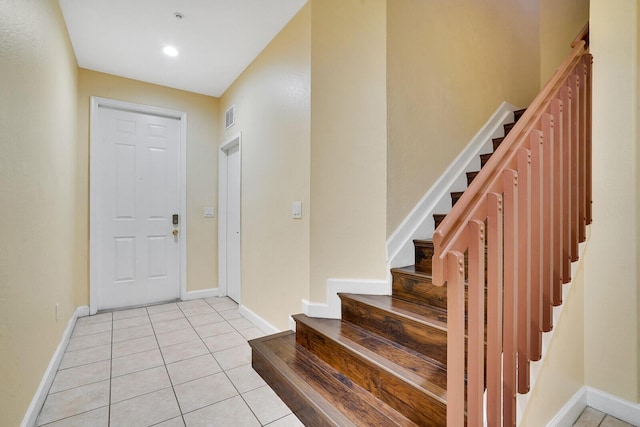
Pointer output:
x,y
382,364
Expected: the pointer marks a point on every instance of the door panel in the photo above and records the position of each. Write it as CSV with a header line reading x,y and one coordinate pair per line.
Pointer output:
x,y
138,191
233,223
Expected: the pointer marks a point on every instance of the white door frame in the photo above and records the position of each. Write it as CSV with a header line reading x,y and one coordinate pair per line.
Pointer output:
x,y
234,141
96,103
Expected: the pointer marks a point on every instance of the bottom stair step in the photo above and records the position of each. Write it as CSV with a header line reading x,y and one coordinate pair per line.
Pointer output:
x,y
317,394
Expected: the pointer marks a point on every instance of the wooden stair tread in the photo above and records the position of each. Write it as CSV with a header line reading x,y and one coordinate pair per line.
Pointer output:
x,y
318,394
411,271
431,316
413,367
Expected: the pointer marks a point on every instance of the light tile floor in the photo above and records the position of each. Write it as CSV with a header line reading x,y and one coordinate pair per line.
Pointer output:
x,y
593,418
177,364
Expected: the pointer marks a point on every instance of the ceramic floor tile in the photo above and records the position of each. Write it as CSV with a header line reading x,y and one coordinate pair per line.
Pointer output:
x,y
185,305
85,356
251,333
183,351
589,418
219,301
81,375
203,392
231,314
75,401
241,323
92,328
245,379
139,383
171,325
120,335
96,318
197,311
234,357
266,404
174,422
126,314
131,322
205,319
177,337
160,308
137,345
231,412
288,421
136,362
95,418
166,315
610,421
224,341
88,341
212,329
192,369
226,305
145,410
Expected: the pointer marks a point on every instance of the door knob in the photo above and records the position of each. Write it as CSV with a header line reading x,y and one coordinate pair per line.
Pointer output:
x,y
175,231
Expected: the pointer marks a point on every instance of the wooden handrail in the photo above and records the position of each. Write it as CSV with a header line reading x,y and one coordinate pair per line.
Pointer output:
x,y
528,206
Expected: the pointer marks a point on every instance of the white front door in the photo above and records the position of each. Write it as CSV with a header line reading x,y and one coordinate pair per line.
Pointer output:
x,y
135,185
233,223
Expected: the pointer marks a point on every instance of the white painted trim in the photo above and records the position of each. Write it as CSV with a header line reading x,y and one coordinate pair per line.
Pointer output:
x,y
571,411
49,375
258,321
96,102
599,400
235,140
202,293
332,308
419,222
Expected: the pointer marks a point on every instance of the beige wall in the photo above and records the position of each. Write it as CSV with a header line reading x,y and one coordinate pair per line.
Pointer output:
x,y
560,22
444,81
202,166
271,100
611,273
348,141
561,373
38,152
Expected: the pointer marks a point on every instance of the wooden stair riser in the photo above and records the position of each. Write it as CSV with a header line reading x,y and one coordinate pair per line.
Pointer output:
x,y
471,176
426,339
437,219
424,251
496,143
484,158
455,196
400,395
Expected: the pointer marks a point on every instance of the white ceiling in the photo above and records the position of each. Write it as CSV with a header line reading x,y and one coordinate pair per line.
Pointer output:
x,y
217,39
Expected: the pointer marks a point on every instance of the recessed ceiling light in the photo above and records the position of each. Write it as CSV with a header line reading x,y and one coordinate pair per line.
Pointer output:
x,y
170,51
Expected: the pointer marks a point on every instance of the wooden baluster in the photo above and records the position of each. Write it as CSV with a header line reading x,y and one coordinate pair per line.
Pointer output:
x,y
582,158
510,281
567,255
524,269
588,60
575,135
475,353
536,241
547,221
556,111
455,339
494,308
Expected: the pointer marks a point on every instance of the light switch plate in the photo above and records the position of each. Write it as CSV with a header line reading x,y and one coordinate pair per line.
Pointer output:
x,y
296,210
209,212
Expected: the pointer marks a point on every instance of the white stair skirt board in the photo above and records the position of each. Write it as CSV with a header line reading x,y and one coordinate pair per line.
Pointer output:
x,y
331,310
203,293
599,400
419,223
260,323
522,400
49,375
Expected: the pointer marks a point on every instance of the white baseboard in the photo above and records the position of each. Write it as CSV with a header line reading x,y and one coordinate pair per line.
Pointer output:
x,y
203,293
331,309
419,222
599,400
34,408
260,323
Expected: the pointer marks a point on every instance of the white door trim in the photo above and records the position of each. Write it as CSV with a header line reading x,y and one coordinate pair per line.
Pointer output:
x,y
96,103
235,140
